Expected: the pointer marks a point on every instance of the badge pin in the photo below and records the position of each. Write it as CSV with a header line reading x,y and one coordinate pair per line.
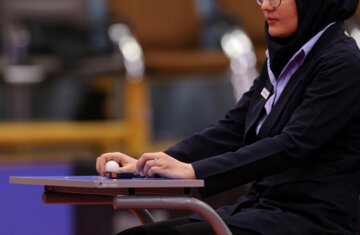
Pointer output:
x,y
265,93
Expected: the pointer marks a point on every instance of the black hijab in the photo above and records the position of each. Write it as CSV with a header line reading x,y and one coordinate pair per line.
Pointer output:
x,y
313,15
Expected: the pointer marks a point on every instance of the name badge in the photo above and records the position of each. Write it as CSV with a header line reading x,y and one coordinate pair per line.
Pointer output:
x,y
265,93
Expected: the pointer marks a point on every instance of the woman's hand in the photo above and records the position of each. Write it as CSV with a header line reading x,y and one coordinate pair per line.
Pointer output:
x,y
126,162
164,165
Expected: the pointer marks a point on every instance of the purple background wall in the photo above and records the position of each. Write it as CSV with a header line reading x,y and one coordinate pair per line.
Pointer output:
x,y
21,208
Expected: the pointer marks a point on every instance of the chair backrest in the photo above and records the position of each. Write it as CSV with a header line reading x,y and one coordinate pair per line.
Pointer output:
x,y
65,11
251,19
159,24
69,29
248,14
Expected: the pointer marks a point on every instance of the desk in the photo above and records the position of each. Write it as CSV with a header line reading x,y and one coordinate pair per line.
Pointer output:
x,y
137,195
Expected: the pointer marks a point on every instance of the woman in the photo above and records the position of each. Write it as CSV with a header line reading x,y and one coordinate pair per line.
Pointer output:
x,y
295,133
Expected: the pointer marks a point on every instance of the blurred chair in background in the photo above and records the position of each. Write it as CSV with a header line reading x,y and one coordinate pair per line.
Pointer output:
x,y
42,40
168,32
51,38
175,55
251,20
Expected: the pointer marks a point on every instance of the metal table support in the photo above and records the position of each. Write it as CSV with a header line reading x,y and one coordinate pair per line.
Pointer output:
x,y
143,215
172,203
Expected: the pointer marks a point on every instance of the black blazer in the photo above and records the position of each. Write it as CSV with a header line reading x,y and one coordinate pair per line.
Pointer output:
x,y
305,161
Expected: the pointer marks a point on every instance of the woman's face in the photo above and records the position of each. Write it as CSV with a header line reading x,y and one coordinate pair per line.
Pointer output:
x,y
283,20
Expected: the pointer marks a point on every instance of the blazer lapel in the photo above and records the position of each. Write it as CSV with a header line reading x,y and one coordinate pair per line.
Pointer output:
x,y
255,111
279,108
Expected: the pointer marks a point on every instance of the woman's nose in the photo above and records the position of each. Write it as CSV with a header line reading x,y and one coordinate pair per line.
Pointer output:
x,y
266,5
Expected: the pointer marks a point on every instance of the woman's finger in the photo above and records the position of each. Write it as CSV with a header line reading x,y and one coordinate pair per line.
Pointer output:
x,y
102,159
100,164
148,165
142,161
156,171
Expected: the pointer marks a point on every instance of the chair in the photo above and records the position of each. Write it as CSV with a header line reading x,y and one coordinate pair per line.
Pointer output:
x,y
168,32
252,20
103,136
169,35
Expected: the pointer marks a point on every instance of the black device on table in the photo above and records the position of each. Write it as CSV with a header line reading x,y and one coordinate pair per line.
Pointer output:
x,y
122,175
125,175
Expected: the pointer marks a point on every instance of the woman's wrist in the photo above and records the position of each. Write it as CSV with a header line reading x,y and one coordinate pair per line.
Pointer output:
x,y
190,172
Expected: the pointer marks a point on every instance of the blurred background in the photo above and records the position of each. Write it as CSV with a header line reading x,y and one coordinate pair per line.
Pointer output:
x,y
82,77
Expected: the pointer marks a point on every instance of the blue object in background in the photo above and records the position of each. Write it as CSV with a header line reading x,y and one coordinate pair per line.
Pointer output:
x,y
97,18
21,207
